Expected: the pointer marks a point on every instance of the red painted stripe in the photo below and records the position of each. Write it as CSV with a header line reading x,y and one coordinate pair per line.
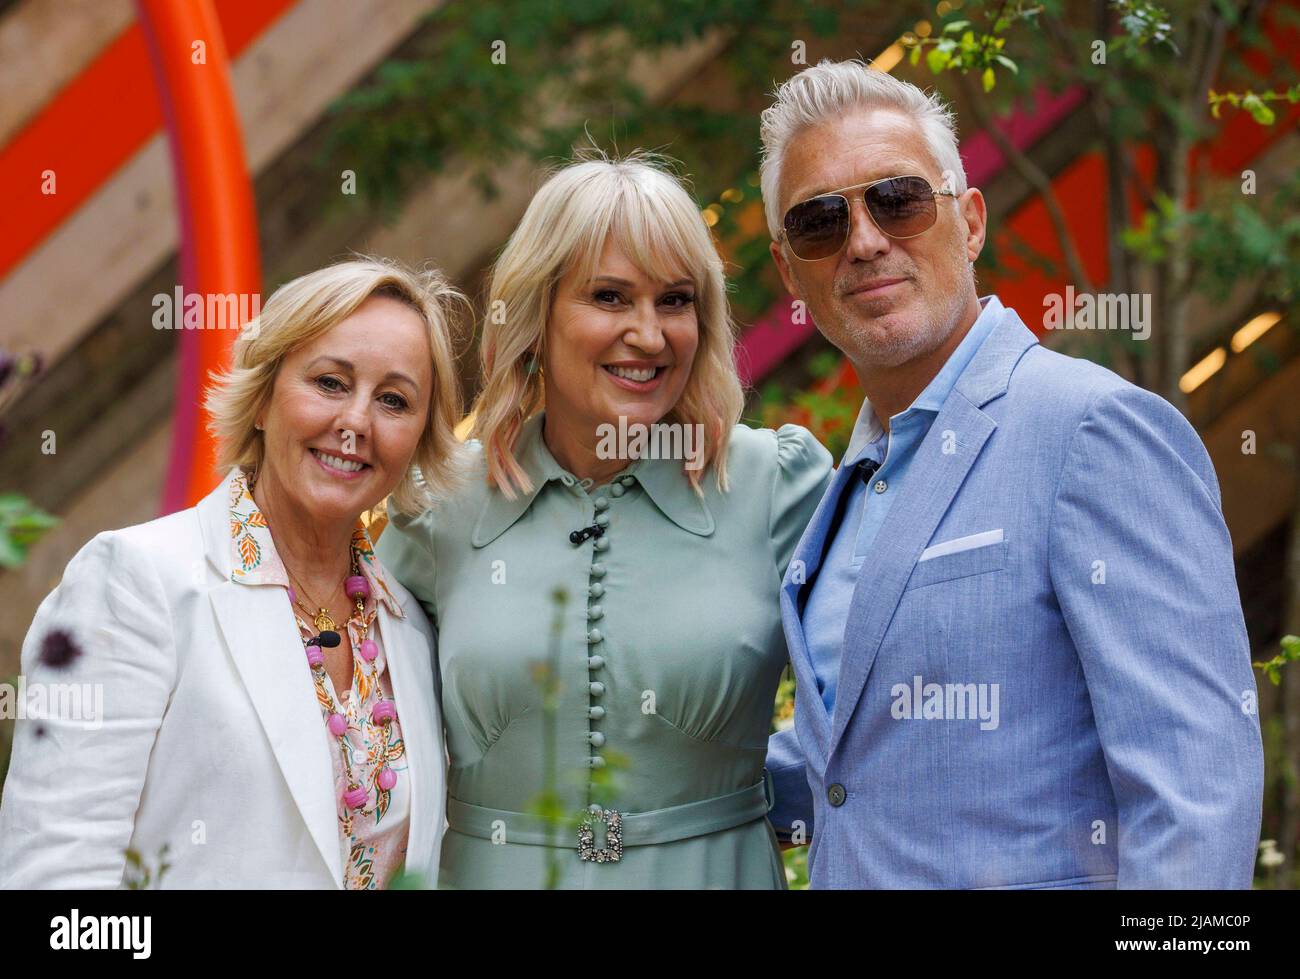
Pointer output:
x,y
96,123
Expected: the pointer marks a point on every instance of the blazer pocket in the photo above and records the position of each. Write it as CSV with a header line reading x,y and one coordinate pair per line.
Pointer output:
x,y
960,564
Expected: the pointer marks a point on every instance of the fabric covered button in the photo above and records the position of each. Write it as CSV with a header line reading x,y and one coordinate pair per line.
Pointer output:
x,y
616,490
596,738
595,713
598,570
597,688
596,590
594,636
601,503
596,761
602,544
595,662
595,612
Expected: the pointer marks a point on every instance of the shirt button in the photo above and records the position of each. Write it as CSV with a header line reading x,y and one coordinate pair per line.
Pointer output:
x,y
596,590
596,713
601,543
602,520
594,636
836,795
596,761
626,480
596,739
601,503
616,490
595,612
595,662
598,570
880,486
597,688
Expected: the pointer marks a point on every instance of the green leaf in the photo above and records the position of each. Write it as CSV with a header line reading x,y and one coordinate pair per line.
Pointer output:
x,y
988,79
955,26
937,59
914,56
1258,109
1006,62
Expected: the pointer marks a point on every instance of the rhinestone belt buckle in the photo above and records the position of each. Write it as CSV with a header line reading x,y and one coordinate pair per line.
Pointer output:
x,y
613,850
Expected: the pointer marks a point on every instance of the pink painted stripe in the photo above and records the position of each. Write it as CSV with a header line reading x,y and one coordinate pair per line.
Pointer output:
x,y
776,335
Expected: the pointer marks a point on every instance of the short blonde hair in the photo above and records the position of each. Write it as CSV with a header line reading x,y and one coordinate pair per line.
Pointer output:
x,y
646,209
312,305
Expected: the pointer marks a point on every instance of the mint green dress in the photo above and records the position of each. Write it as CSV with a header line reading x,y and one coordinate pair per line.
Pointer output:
x,y
647,712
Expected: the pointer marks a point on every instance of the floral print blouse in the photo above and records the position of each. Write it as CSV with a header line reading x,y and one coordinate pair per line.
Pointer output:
x,y
373,838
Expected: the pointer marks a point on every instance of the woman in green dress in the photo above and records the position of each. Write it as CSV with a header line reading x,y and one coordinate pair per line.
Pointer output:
x,y
606,588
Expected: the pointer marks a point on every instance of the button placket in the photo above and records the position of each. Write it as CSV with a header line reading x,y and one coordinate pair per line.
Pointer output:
x,y
595,637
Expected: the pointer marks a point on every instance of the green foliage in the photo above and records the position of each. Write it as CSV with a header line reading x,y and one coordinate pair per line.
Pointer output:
x,y
1272,668
21,524
140,874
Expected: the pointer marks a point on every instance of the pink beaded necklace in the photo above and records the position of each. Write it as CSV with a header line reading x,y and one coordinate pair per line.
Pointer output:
x,y
357,588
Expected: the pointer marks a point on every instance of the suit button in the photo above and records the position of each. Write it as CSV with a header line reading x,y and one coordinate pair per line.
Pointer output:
x,y
836,795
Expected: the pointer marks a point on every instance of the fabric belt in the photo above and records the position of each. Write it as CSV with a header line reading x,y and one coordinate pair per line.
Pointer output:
x,y
639,828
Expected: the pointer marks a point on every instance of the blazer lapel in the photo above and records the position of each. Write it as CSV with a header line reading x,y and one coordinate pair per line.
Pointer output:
x,y
413,690
263,640
932,484
803,565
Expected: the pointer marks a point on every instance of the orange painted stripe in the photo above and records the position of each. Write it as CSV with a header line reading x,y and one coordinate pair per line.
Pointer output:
x,y
96,123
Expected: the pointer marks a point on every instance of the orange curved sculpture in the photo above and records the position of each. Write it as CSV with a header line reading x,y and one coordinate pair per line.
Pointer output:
x,y
214,199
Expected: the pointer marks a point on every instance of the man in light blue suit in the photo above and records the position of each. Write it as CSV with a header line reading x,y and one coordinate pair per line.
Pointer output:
x,y
1014,622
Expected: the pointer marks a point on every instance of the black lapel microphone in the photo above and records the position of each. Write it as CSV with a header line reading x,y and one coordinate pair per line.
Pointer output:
x,y
326,640
578,536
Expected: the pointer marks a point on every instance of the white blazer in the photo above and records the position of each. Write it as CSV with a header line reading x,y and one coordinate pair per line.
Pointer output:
x,y
211,740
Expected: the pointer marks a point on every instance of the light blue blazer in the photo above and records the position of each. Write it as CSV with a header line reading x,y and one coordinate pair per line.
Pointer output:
x,y
1060,553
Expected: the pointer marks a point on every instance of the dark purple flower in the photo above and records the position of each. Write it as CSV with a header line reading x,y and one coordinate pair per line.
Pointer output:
x,y
59,650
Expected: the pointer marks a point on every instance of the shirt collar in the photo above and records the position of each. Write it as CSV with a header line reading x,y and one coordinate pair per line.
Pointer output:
x,y
867,429
253,558
663,480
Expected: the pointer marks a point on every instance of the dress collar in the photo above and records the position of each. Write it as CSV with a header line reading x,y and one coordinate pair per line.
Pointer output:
x,y
253,558
663,480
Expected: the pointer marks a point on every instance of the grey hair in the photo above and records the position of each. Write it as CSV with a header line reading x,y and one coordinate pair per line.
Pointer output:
x,y
831,89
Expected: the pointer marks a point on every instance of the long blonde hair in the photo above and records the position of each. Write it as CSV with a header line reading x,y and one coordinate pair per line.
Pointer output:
x,y
312,305
649,214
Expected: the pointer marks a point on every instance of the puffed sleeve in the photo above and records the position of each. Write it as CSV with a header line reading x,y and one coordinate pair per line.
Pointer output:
x,y
93,709
803,472
406,550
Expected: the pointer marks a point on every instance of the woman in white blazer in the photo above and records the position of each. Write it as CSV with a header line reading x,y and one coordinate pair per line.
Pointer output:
x,y
269,716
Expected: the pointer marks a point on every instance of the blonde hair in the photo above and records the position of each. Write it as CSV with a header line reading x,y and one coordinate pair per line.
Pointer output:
x,y
312,305
829,90
647,211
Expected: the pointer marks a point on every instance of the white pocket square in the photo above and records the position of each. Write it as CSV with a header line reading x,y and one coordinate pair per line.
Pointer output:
x,y
961,544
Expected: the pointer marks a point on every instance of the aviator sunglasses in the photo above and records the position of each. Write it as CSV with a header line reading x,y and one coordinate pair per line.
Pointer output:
x,y
901,207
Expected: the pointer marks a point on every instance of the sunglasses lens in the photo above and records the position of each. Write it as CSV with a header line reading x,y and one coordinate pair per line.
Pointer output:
x,y
902,206
817,228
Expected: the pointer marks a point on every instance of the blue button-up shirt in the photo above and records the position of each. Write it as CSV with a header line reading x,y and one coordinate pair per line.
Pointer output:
x,y
827,609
